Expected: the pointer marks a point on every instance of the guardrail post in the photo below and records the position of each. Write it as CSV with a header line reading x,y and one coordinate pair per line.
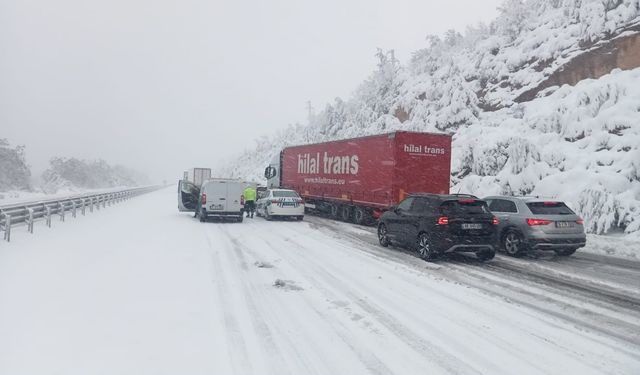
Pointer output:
x,y
61,213
48,215
91,207
7,227
73,208
84,205
98,203
30,220
104,201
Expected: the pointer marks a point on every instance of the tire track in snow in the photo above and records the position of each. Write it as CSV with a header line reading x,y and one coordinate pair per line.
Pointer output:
x,y
574,308
547,313
571,314
264,332
610,295
370,361
444,360
236,347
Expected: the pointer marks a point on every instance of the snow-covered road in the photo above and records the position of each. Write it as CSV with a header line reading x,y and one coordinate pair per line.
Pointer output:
x,y
141,289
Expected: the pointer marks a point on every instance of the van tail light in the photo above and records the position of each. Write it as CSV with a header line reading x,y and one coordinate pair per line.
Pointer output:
x,y
580,221
203,198
242,199
533,222
495,221
274,201
443,220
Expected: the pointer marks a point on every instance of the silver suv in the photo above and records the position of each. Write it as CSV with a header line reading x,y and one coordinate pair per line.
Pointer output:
x,y
534,223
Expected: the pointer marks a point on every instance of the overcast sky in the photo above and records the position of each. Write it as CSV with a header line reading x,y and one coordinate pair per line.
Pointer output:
x,y
165,85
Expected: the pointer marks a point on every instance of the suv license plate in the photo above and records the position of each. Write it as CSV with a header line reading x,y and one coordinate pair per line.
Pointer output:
x,y
564,224
471,226
216,207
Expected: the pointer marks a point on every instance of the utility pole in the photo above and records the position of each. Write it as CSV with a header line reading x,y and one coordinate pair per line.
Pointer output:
x,y
310,114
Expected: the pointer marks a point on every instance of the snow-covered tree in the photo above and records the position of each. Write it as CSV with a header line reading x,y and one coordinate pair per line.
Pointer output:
x,y
14,171
513,17
70,173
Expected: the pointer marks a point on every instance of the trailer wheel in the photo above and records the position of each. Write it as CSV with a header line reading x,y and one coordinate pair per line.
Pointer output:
x,y
360,215
334,210
345,213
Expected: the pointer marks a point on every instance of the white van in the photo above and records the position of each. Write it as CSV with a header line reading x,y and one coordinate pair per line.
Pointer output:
x,y
215,198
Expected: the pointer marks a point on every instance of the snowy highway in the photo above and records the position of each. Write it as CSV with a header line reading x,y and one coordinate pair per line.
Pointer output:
x,y
139,288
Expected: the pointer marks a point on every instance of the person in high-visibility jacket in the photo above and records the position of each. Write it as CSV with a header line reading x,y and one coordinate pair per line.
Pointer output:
x,y
249,200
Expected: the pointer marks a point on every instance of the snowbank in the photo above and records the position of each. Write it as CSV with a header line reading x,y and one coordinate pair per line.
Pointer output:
x,y
625,247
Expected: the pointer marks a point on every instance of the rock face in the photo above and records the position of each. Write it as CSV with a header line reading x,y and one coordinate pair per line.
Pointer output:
x,y
622,52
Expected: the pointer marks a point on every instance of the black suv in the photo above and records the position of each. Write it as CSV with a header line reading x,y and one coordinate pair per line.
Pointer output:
x,y
435,224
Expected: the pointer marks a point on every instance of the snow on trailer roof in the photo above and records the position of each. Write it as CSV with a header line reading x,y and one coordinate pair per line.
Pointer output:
x,y
450,135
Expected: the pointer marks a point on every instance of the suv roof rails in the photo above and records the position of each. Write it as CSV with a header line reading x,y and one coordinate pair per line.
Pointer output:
x,y
524,196
442,195
534,197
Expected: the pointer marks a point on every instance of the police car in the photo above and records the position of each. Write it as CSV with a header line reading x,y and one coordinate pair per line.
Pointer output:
x,y
280,203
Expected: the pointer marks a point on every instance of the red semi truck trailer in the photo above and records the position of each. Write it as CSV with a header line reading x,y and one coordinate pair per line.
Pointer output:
x,y
358,179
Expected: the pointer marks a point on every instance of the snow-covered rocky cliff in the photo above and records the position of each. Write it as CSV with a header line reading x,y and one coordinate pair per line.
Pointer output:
x,y
580,143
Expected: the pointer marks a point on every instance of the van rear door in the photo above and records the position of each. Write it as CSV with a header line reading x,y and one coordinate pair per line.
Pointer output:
x,y
216,196
234,193
188,194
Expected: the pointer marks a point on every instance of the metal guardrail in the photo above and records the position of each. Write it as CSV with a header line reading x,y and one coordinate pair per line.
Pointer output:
x,y
28,212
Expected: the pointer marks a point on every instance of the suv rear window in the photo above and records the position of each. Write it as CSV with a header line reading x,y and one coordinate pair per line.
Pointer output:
x,y
285,194
464,207
549,208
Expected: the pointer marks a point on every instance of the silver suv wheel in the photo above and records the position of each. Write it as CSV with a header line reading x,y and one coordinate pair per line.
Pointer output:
x,y
512,243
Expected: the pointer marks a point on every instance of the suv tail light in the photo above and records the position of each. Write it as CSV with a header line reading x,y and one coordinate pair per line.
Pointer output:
x,y
203,198
242,199
495,221
532,222
443,220
580,221
466,201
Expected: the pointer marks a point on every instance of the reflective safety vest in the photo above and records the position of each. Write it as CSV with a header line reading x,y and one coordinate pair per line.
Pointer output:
x,y
249,194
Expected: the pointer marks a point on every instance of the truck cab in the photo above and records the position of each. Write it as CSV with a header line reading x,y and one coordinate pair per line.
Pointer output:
x,y
272,172
217,198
